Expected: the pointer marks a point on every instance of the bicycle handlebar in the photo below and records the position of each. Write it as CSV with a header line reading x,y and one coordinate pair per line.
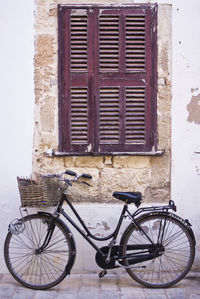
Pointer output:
x,y
69,172
86,176
72,173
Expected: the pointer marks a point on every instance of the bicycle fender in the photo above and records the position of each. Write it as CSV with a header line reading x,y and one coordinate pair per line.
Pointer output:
x,y
71,237
186,223
170,214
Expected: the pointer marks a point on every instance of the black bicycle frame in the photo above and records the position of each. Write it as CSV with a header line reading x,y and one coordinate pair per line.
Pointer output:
x,y
87,234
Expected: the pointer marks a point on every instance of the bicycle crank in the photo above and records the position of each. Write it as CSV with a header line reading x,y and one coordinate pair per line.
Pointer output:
x,y
101,257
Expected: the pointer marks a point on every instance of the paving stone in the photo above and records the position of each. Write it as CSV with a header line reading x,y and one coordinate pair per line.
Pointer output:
x,y
6,290
109,295
155,296
70,283
176,293
194,296
66,295
90,280
125,280
131,293
109,283
154,293
109,286
7,278
22,293
50,294
88,292
113,286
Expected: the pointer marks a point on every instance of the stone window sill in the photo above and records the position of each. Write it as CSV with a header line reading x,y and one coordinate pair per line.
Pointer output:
x,y
52,153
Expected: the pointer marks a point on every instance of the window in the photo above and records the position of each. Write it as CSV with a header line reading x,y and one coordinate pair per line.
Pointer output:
x,y
107,79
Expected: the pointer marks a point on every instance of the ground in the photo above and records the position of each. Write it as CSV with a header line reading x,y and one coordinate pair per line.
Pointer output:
x,y
116,285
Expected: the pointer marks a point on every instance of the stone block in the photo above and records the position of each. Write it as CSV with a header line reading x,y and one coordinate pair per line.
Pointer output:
x,y
88,161
131,162
122,180
47,115
45,51
68,162
83,193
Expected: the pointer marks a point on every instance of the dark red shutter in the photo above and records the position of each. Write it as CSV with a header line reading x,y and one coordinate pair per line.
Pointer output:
x,y
107,79
74,72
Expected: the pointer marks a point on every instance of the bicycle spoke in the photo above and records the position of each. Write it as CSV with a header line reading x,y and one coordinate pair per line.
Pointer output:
x,y
175,258
32,265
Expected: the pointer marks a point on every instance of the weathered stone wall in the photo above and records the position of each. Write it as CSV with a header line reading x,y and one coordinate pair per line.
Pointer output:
x,y
148,174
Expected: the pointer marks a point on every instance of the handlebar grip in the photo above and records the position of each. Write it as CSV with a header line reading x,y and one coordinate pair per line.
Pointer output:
x,y
86,176
70,172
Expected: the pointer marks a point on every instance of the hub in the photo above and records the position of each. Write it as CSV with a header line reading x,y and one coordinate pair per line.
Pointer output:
x,y
38,251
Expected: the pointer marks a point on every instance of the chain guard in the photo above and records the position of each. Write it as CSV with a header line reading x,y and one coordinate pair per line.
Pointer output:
x,y
101,260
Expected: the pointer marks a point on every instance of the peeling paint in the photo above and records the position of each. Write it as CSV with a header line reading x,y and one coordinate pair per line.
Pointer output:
x,y
194,89
194,109
89,148
197,170
105,225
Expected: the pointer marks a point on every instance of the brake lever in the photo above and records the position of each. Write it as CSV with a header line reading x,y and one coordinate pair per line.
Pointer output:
x,y
86,183
66,181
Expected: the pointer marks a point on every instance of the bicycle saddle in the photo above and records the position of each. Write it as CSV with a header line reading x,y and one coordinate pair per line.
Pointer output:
x,y
129,197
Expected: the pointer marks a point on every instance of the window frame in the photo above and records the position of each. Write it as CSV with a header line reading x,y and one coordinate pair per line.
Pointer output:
x,y
151,103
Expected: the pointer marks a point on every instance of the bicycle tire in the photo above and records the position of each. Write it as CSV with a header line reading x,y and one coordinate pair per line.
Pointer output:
x,y
176,260
42,270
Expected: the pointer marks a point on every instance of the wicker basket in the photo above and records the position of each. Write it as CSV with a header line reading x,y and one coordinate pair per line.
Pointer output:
x,y
45,192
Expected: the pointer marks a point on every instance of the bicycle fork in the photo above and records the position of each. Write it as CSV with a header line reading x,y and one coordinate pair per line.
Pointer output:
x,y
50,230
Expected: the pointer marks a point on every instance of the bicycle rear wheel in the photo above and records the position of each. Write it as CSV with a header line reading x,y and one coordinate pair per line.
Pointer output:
x,y
178,250
39,269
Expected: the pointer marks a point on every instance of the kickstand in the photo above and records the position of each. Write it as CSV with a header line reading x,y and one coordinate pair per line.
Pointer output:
x,y
102,273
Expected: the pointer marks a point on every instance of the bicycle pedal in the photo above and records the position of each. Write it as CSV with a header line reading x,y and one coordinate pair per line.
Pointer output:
x,y
102,273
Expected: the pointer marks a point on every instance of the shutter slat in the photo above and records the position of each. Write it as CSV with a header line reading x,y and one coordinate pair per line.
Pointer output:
x,y
135,115
78,43
109,115
108,43
135,43
79,115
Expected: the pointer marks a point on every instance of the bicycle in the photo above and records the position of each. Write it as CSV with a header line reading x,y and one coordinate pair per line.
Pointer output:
x,y
157,248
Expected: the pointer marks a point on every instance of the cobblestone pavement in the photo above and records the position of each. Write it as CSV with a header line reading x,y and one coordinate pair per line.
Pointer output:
x,y
112,286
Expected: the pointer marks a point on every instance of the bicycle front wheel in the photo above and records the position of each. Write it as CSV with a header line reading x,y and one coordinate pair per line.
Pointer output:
x,y
35,268
177,250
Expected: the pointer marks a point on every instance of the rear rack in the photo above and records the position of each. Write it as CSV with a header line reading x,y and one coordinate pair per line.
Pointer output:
x,y
170,206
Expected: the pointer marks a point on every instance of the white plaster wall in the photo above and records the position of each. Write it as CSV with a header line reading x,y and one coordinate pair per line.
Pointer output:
x,y
185,174
17,104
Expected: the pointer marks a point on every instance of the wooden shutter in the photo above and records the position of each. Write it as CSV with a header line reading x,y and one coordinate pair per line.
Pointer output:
x,y
74,71
107,79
